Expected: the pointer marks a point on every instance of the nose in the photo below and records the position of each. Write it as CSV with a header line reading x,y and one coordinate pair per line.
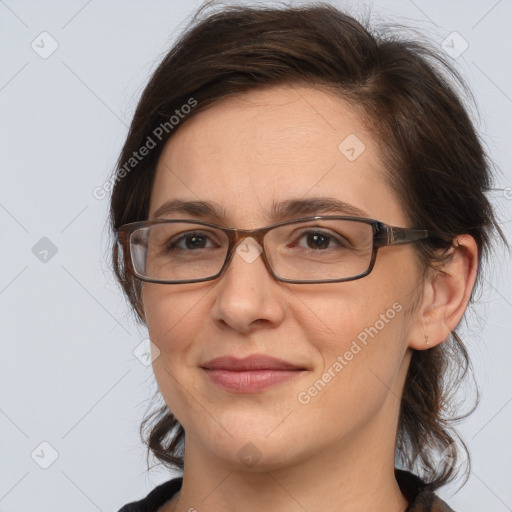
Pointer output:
x,y
247,294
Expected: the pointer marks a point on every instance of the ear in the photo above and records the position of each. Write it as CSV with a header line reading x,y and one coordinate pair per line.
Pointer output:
x,y
446,295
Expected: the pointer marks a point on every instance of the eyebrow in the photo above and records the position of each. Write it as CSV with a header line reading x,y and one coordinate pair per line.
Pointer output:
x,y
278,211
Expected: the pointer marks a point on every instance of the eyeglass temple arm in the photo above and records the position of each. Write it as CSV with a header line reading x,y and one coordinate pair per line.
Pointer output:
x,y
389,235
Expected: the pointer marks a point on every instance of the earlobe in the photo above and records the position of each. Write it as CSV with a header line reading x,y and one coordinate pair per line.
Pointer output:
x,y
446,294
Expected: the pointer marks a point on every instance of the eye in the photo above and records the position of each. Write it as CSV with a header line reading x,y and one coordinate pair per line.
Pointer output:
x,y
190,241
317,240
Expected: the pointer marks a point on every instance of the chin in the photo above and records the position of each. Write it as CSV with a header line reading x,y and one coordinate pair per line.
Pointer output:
x,y
258,455
254,444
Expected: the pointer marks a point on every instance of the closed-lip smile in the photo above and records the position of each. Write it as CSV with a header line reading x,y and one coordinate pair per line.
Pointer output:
x,y
250,374
253,362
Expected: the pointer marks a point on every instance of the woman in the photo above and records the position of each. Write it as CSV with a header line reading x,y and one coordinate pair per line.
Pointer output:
x,y
300,218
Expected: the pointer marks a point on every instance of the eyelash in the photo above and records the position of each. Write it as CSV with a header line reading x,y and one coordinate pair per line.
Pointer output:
x,y
173,244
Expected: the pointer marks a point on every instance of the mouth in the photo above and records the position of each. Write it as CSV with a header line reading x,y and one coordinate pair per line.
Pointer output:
x,y
251,374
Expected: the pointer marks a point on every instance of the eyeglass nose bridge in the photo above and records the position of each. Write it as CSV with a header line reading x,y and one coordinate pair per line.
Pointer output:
x,y
236,238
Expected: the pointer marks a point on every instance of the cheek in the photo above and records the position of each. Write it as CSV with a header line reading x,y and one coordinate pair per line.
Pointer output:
x,y
173,319
361,347
353,310
169,312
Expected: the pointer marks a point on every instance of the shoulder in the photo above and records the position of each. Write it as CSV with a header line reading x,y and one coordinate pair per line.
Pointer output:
x,y
417,493
156,498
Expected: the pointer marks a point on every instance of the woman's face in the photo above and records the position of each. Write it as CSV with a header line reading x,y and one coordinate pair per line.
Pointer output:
x,y
245,155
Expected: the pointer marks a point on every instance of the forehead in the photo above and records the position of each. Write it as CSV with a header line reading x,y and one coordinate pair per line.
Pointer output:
x,y
256,149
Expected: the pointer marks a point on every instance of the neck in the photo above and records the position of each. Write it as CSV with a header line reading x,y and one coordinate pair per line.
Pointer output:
x,y
355,476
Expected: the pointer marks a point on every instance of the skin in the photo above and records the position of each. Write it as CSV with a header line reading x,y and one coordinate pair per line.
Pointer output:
x,y
337,451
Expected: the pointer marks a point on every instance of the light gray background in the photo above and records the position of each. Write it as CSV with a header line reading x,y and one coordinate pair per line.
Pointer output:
x,y
68,374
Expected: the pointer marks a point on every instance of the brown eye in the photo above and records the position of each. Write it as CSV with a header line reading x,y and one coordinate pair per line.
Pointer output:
x,y
318,240
190,241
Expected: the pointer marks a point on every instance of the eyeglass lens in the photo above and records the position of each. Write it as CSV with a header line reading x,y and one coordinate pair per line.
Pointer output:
x,y
309,250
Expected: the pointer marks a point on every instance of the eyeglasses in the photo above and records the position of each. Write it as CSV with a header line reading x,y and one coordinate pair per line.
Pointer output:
x,y
321,249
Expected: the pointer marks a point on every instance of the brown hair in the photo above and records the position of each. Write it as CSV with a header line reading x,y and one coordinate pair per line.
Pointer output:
x,y
436,163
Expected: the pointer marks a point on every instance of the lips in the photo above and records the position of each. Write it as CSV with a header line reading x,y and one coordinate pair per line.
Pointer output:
x,y
251,374
254,362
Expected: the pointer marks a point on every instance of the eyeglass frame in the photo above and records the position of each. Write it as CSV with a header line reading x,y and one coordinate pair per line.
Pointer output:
x,y
383,236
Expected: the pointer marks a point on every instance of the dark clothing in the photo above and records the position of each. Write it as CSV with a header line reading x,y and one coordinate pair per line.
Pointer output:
x,y
411,486
420,500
